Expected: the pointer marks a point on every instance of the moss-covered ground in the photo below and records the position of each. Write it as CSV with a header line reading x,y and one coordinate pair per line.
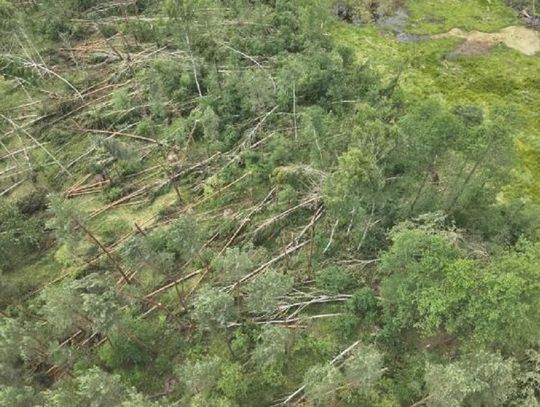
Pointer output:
x,y
503,77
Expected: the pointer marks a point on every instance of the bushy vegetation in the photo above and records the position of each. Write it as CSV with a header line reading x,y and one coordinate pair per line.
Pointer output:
x,y
253,203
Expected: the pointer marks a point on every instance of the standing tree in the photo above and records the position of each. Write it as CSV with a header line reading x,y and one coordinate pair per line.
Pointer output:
x,y
430,286
321,384
211,381
428,133
94,388
233,264
213,308
482,379
272,348
90,303
364,368
488,153
265,291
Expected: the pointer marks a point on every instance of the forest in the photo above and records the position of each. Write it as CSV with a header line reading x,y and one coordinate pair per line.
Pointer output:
x,y
248,203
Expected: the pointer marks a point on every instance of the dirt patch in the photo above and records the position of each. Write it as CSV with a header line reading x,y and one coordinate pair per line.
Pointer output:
x,y
471,48
522,39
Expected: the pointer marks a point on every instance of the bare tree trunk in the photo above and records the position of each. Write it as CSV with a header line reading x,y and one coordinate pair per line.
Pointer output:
x,y
418,192
139,229
423,401
195,76
311,249
107,252
294,112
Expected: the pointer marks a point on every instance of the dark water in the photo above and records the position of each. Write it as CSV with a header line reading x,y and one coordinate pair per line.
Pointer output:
x,y
398,24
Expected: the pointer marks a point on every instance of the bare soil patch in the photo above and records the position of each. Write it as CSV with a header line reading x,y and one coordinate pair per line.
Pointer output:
x,y
522,39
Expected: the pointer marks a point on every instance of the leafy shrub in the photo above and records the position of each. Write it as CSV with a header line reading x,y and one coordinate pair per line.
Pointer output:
x,y
213,308
333,279
265,291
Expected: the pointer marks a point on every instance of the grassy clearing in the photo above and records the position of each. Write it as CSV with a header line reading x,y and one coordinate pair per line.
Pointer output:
x,y
503,77
435,16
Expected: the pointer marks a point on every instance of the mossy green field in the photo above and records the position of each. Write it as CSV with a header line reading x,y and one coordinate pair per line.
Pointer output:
x,y
500,77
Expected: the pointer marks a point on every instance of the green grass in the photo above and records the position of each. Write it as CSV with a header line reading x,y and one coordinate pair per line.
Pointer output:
x,y
436,16
503,77
34,275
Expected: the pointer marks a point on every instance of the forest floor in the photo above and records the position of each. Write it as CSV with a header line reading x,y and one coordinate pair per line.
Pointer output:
x,y
437,62
457,53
